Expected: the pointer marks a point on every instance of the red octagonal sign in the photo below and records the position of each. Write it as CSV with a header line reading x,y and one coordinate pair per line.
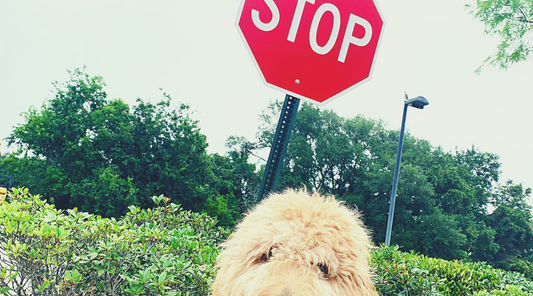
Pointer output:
x,y
312,49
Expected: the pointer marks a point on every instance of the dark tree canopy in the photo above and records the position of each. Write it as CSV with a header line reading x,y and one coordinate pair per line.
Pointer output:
x,y
84,150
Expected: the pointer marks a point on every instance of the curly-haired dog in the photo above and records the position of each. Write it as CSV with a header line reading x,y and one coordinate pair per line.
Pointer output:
x,y
296,244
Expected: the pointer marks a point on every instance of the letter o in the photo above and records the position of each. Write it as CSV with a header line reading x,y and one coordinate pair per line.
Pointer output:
x,y
313,32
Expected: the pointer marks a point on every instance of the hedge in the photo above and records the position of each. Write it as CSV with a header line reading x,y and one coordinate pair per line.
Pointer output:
x,y
401,274
160,251
168,251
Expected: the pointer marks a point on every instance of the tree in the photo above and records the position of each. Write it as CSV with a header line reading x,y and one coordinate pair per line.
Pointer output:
x,y
513,226
236,180
512,20
102,156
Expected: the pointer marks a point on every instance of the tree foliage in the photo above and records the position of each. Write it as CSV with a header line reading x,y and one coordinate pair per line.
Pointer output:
x,y
449,204
512,20
102,156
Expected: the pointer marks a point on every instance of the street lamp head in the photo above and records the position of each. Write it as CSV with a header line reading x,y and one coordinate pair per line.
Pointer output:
x,y
418,102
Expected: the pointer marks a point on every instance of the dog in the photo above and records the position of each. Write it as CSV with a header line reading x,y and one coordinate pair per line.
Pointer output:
x,y
296,244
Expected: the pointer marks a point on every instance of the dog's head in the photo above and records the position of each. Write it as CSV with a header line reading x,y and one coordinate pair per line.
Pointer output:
x,y
295,244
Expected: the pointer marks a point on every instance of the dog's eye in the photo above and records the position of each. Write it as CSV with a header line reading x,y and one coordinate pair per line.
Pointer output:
x,y
265,257
323,268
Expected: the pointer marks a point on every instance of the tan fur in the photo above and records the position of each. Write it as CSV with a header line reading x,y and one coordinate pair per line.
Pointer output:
x,y
281,246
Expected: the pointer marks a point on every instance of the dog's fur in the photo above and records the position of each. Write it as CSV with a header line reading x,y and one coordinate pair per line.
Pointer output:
x,y
296,244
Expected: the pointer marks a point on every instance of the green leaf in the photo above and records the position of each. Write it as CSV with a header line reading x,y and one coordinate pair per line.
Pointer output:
x,y
45,285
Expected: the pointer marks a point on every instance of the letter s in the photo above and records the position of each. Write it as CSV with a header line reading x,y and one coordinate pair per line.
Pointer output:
x,y
273,22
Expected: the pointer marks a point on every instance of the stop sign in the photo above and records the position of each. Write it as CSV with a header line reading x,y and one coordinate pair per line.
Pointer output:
x,y
312,49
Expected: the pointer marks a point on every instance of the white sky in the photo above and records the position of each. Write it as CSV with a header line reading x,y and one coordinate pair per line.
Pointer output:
x,y
193,51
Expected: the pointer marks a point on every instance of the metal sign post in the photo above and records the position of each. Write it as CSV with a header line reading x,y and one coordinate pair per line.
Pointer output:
x,y
279,146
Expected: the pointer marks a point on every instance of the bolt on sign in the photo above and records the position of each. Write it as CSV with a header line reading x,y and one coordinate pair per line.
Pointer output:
x,y
312,49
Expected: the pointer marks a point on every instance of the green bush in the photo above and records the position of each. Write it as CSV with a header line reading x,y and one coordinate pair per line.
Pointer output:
x,y
167,251
160,251
399,273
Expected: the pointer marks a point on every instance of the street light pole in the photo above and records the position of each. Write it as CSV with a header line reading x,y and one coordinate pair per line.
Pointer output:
x,y
395,180
419,103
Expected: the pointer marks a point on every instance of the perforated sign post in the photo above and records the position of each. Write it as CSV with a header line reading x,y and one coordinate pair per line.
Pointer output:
x,y
311,49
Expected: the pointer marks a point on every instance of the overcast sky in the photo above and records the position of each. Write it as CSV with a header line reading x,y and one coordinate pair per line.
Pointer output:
x,y
193,51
